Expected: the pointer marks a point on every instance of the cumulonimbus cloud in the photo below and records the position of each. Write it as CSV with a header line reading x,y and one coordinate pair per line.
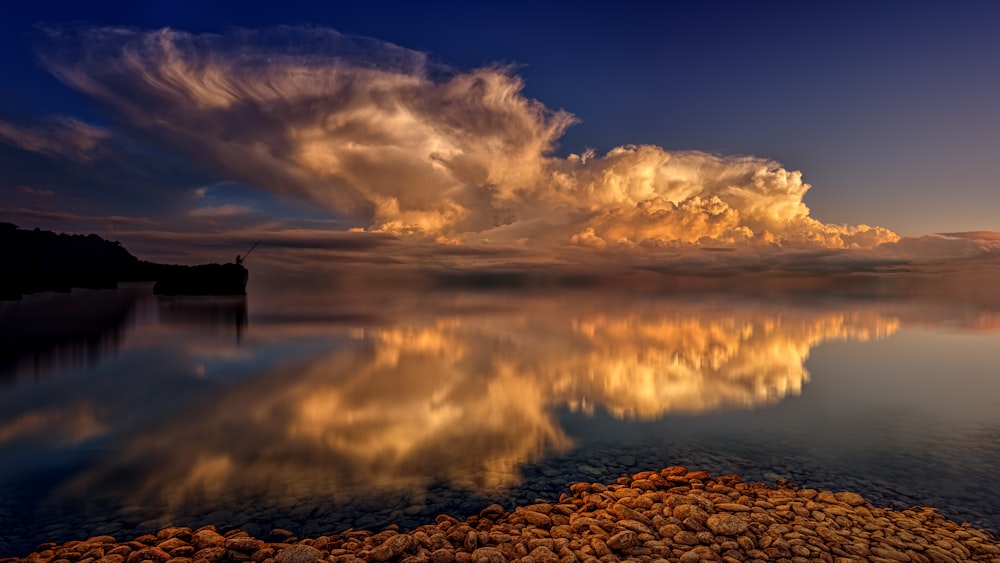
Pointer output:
x,y
379,133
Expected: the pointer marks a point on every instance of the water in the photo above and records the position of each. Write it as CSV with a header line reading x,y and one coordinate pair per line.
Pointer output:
x,y
122,412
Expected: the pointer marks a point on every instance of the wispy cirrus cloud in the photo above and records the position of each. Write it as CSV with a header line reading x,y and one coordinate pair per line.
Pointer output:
x,y
75,221
28,190
58,136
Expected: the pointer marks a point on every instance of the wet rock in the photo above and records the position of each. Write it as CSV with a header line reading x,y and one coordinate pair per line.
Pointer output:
x,y
298,554
542,554
154,554
726,524
245,544
623,540
209,555
536,518
205,538
488,555
851,498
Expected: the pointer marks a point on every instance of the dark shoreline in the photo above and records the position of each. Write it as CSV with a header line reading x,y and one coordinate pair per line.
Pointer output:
x,y
37,261
672,515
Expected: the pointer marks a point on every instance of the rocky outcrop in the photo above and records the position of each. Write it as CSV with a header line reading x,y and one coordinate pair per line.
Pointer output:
x,y
35,261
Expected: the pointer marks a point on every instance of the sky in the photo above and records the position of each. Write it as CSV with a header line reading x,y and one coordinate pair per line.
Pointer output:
x,y
514,131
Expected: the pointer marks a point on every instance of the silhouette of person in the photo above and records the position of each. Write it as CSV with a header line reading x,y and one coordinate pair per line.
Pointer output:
x,y
239,260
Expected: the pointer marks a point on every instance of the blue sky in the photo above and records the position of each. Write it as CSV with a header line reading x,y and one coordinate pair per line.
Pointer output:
x,y
888,108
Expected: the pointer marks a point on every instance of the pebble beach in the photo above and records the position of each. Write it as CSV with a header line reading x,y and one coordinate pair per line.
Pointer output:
x,y
653,516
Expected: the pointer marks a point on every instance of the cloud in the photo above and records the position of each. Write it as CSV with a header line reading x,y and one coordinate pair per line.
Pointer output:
x,y
35,192
381,134
974,235
221,211
74,220
58,136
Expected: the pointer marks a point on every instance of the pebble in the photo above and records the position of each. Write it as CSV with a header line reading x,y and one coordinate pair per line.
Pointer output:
x,y
652,517
298,554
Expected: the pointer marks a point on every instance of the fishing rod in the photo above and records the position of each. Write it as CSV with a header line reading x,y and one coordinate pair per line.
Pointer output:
x,y
240,259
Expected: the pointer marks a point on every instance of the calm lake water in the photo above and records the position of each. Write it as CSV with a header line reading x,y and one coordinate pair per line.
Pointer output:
x,y
123,412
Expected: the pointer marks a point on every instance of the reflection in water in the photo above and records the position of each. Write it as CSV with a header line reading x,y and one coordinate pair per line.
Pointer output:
x,y
53,333
337,406
222,312
469,399
60,426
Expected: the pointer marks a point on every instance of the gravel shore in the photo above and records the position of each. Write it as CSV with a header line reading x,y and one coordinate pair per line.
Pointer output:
x,y
669,515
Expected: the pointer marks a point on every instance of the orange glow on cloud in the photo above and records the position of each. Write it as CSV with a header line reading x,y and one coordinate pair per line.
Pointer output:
x,y
376,132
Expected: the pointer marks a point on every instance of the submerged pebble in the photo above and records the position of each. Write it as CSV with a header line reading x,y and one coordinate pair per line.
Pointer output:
x,y
668,515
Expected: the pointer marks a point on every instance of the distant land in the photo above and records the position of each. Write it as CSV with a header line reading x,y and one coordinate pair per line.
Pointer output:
x,y
34,261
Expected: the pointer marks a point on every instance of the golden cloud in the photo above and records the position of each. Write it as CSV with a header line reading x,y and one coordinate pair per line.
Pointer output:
x,y
377,132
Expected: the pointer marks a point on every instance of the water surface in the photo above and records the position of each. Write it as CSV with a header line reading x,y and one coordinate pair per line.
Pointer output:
x,y
122,412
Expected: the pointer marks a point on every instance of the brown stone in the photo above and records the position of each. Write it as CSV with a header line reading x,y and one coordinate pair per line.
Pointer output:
x,y
726,524
171,544
245,544
298,554
471,541
692,511
207,538
149,554
184,534
627,513
536,518
685,537
847,497
263,554
488,555
102,539
542,554
209,554
443,556
623,540
492,511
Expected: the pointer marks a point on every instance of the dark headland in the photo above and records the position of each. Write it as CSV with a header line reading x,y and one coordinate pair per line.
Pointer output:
x,y
34,261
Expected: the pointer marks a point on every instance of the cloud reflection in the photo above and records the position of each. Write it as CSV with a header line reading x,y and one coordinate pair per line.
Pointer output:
x,y
470,399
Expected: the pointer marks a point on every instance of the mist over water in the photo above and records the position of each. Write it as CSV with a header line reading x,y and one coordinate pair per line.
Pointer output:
x,y
330,409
